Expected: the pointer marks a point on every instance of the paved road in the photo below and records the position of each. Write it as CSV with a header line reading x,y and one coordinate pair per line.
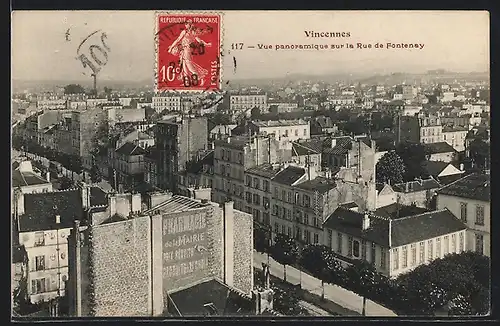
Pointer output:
x,y
341,296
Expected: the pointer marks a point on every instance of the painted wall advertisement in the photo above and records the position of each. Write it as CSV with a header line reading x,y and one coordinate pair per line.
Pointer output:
x,y
185,253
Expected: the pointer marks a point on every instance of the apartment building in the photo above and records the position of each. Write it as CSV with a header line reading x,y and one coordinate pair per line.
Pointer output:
x,y
423,128
235,155
393,245
178,142
469,200
289,130
455,137
166,103
196,181
244,101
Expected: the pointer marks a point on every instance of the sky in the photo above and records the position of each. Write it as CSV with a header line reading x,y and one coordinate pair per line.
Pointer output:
x,y
456,41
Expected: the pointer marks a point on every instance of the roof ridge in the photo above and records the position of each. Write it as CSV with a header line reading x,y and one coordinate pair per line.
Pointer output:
x,y
421,214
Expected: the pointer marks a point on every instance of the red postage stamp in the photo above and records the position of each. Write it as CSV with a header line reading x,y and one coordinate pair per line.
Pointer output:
x,y
188,52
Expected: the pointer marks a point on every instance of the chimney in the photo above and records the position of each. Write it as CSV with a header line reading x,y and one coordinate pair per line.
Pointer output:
x,y
407,187
366,221
47,176
85,195
461,166
58,219
228,218
263,300
76,285
135,203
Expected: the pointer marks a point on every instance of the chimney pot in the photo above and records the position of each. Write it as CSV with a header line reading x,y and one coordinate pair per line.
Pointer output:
x,y
47,176
58,219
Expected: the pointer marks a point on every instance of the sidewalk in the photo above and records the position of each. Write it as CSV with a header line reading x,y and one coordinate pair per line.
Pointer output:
x,y
344,298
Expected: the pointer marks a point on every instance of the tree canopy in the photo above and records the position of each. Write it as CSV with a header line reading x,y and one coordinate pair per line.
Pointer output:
x,y
413,156
480,153
74,89
390,168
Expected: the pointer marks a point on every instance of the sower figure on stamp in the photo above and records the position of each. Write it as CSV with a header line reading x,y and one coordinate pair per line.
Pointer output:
x,y
185,46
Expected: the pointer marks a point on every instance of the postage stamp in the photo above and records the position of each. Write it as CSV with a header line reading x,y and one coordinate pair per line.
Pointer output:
x,y
188,48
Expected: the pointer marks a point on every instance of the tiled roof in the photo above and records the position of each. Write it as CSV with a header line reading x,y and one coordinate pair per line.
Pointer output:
x,y
21,179
224,300
177,204
130,149
425,226
447,179
342,146
474,186
98,197
349,222
319,184
41,210
265,170
395,211
279,123
289,175
441,147
404,230
417,185
434,167
306,148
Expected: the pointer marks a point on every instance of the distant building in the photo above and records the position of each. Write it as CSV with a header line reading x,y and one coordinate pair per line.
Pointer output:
x,y
323,125
127,162
166,103
419,193
469,200
287,130
245,101
26,181
221,131
393,245
196,181
441,171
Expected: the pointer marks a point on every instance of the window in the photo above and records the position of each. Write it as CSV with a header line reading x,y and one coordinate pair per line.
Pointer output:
x,y
405,257
463,212
276,192
461,242
446,240
305,132
38,286
339,243
40,263
430,250
256,199
306,218
256,183
289,199
373,253
330,236
479,215
306,201
275,209
480,244
297,198
248,196
316,238
296,132
422,253
363,249
383,259
307,236
265,202
350,247
283,228
413,254
248,181
438,248
276,227
289,231
266,185
453,243
240,158
299,233
355,248
39,239
395,257
283,195
289,214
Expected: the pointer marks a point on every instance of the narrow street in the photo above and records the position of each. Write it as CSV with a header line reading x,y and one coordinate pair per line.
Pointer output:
x,y
342,297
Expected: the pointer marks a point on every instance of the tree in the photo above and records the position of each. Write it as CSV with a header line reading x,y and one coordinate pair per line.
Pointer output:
x,y
95,174
65,183
255,113
363,280
413,156
261,239
480,153
390,168
285,251
74,89
320,261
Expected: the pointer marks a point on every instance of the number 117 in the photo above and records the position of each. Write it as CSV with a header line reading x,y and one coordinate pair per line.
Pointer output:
x,y
236,46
